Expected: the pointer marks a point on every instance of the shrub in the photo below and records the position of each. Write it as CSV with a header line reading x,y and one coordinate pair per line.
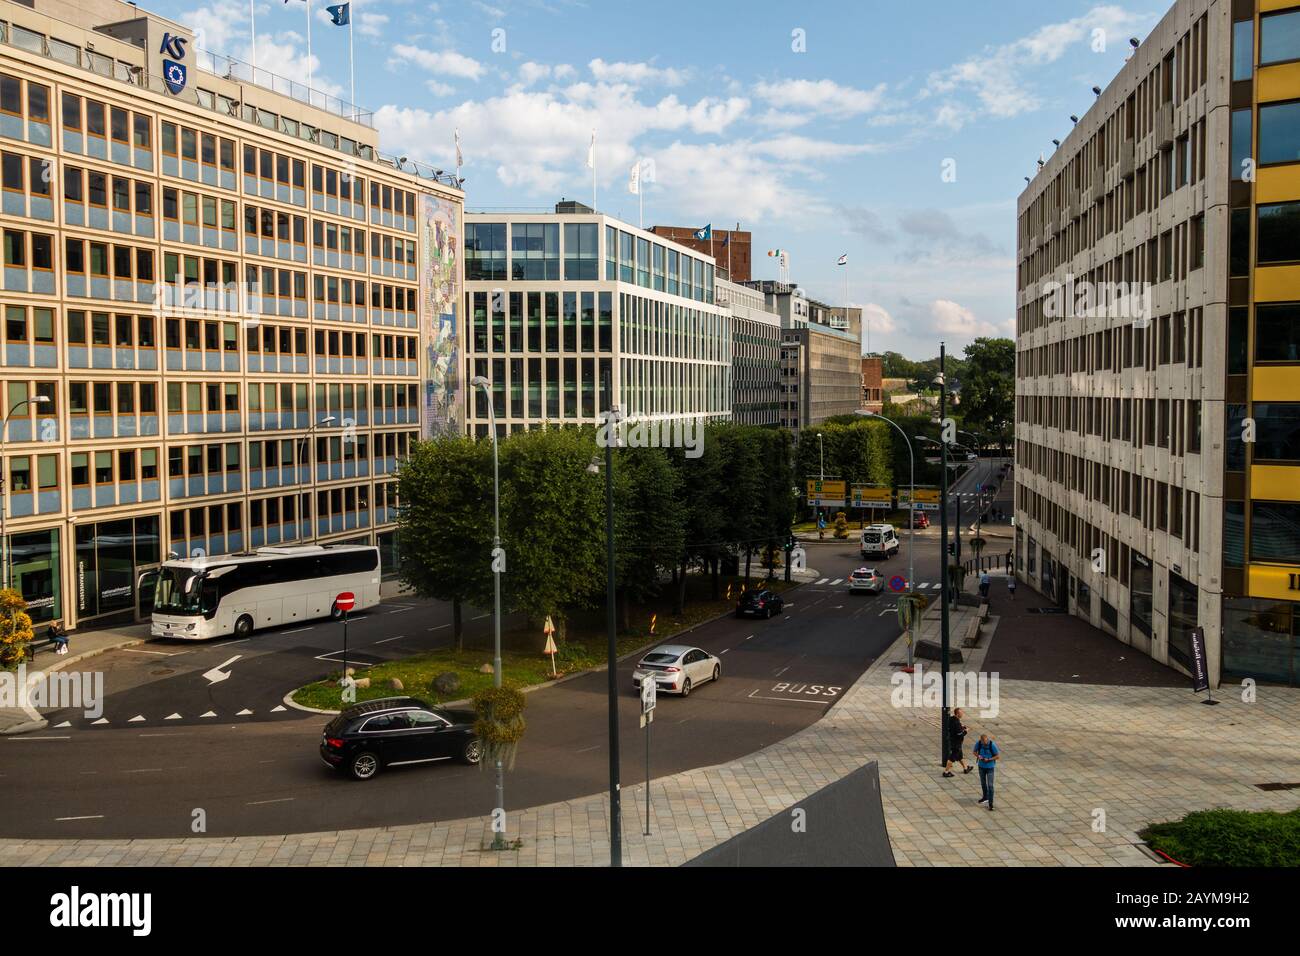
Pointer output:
x,y
1230,838
500,724
15,629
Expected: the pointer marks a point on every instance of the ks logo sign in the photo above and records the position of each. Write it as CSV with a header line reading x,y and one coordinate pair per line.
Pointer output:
x,y
174,74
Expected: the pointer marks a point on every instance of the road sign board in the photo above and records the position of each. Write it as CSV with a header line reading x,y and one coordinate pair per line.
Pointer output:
x,y
648,689
897,582
346,601
828,493
872,496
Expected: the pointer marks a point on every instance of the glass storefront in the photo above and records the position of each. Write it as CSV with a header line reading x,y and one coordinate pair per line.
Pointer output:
x,y
1261,640
109,558
389,559
34,567
1183,618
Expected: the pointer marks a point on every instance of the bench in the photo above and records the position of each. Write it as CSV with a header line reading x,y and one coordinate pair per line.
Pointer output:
x,y
972,638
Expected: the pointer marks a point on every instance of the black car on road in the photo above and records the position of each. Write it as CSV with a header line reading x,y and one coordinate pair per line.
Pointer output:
x,y
761,603
395,732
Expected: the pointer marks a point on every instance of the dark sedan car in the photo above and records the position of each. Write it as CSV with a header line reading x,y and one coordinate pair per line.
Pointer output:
x,y
394,732
761,603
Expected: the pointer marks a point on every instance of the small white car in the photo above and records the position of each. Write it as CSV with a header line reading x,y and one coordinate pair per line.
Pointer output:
x,y
677,668
867,579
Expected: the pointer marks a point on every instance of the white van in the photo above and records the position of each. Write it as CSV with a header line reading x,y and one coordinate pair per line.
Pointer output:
x,y
879,541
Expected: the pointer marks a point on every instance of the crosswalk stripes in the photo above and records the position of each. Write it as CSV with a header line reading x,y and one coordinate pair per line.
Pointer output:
x,y
823,580
837,581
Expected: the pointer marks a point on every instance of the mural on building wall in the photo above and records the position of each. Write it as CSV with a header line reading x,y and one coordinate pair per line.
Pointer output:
x,y
439,330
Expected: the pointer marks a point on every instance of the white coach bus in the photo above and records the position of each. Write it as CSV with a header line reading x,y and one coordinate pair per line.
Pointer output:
x,y
239,593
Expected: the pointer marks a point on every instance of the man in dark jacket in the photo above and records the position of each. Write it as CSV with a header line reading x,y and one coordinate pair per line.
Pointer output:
x,y
956,734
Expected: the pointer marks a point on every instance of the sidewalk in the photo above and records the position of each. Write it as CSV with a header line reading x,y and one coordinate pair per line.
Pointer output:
x,y
1073,755
81,645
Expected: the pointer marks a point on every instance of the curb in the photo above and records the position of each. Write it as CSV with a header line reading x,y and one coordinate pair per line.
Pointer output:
x,y
40,723
600,668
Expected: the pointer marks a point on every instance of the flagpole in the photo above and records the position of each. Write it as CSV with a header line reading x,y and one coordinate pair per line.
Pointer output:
x,y
593,170
252,19
352,70
309,70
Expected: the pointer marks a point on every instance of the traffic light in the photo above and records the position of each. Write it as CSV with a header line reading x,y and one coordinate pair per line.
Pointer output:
x,y
952,548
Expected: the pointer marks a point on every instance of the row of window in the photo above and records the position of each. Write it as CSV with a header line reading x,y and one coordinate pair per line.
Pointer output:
x,y
1168,339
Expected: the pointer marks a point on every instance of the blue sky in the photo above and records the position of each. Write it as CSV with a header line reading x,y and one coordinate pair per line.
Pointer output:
x,y
823,128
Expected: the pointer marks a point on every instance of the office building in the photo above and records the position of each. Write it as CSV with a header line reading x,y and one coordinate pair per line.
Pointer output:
x,y
227,314
873,395
755,355
1158,349
555,300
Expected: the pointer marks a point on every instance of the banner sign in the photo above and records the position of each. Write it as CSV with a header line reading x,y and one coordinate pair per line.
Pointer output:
x,y
1200,667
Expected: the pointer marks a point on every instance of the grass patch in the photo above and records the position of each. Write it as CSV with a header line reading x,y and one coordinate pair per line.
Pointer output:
x,y
583,649
1230,838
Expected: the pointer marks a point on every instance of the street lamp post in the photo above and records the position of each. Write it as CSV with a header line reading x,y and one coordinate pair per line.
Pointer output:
x,y
478,381
821,454
911,520
315,518
943,536
4,484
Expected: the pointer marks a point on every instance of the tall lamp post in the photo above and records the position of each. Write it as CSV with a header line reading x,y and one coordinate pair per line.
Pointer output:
x,y
498,558
943,536
4,484
315,518
821,455
911,517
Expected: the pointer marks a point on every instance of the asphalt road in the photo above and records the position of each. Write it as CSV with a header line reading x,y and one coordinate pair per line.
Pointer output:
x,y
180,738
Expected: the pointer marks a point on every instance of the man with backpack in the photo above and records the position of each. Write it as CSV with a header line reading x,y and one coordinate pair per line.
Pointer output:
x,y
986,756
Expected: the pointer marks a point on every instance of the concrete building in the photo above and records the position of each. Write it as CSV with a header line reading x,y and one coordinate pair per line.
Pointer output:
x,y
785,299
821,374
873,393
226,312
554,300
1158,348
755,355
732,249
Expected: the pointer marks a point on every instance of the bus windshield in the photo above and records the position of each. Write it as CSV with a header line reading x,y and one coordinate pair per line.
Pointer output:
x,y
178,591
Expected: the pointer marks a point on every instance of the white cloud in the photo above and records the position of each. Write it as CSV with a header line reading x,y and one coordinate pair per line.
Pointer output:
x,y
821,97
493,13
530,73
439,89
635,74
803,148
877,319
446,62
950,318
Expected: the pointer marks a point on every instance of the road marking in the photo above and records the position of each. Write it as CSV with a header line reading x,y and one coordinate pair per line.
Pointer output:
x,y
387,639
242,640
782,671
137,719
244,713
755,695
398,610
102,720
145,770
258,803
438,627
278,708
45,737
823,580
172,717
211,713
750,638
724,650
217,675
837,581
298,630
66,723
94,816
181,734
587,749
480,617
136,650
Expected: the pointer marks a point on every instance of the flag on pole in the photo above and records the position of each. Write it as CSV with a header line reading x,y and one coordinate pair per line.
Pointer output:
x,y
843,260
339,15
591,152
706,233
460,160
634,179
726,240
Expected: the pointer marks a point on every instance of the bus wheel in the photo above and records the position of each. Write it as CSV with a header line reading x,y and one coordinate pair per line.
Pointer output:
x,y
244,626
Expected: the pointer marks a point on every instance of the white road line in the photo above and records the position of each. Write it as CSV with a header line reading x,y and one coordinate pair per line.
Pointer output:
x,y
172,717
242,640
480,617
145,770
387,639
438,627
724,650
137,719
136,650
750,638
278,708
837,581
398,610
46,737
244,713
587,749
66,723
823,580
258,803
181,734
102,720
211,713
95,816
782,671
755,695
298,630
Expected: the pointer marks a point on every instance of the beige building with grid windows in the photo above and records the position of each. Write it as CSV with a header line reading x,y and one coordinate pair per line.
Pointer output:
x,y
227,315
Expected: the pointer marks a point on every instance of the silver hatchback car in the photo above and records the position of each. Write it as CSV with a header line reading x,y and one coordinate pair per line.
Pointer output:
x,y
677,668
867,579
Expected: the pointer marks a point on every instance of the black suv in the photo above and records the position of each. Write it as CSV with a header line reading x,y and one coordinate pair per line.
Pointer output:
x,y
395,731
762,603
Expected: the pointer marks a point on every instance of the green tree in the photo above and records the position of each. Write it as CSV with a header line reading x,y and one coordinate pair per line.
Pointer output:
x,y
703,502
444,526
778,504
989,389
553,523
650,525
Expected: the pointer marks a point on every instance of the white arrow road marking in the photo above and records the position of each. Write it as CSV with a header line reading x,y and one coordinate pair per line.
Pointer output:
x,y
243,713
102,720
211,713
217,675
136,719
278,708
172,717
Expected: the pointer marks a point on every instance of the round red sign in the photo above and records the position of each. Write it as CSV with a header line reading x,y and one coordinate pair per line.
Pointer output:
x,y
346,601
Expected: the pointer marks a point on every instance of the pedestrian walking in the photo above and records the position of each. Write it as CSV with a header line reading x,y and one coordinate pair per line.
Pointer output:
x,y
984,585
956,734
986,756
1011,587
1008,561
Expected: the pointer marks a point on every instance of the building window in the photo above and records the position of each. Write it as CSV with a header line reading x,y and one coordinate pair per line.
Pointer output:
x,y
1277,437
581,240
485,251
1278,238
1243,49
1242,142
1279,133
1275,532
1277,332
534,250
1279,37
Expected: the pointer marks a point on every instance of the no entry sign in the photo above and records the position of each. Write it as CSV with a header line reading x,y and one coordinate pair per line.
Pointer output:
x,y
346,601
